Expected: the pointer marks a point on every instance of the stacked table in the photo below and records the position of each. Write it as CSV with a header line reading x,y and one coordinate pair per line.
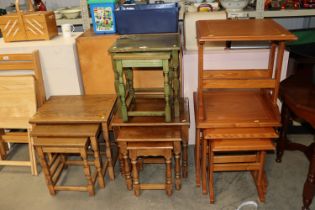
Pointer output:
x,y
150,116
145,51
237,107
76,111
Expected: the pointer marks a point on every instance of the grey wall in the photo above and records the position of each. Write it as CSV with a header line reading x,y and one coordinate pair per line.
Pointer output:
x,y
293,23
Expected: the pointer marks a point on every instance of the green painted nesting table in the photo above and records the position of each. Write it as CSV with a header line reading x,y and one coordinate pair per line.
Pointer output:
x,y
146,51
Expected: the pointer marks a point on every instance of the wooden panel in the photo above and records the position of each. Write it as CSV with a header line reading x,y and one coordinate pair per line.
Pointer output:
x,y
154,160
62,142
242,30
152,79
141,56
40,88
231,109
16,57
152,186
245,83
75,109
146,113
236,74
17,101
149,134
237,167
65,130
16,137
147,42
96,65
237,133
11,28
71,188
149,145
142,63
26,62
242,145
234,158
15,163
16,65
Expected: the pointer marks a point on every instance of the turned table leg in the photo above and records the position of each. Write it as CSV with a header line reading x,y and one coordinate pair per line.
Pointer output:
x,y
177,153
197,157
108,151
121,89
167,90
286,120
204,160
124,154
3,146
185,141
176,82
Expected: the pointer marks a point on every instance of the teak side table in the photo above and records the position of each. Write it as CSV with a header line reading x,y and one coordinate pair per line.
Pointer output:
x,y
237,98
146,51
80,110
241,30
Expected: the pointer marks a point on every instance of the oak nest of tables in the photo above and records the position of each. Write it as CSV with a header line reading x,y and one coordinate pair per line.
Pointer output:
x,y
78,111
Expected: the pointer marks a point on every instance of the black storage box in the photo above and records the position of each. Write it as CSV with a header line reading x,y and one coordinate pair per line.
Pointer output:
x,y
147,18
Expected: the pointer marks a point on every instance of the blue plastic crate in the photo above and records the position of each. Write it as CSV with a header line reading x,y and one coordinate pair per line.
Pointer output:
x,y
147,18
103,17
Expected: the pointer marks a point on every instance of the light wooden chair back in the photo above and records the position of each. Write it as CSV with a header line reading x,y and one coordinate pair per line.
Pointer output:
x,y
22,62
20,96
17,101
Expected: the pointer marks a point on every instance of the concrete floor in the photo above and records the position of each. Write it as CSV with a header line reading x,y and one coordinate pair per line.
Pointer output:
x,y
20,190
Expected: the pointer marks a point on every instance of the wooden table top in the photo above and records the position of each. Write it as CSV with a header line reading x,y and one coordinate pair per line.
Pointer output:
x,y
298,92
146,42
242,30
144,104
231,109
75,109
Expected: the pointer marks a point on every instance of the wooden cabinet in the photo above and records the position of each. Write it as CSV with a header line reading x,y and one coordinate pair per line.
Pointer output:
x,y
96,65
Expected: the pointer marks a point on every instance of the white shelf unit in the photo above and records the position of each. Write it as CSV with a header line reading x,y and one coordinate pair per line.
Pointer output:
x,y
77,21
85,20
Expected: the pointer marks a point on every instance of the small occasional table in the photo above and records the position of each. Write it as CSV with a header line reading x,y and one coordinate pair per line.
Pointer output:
x,y
146,51
298,98
76,110
215,106
181,123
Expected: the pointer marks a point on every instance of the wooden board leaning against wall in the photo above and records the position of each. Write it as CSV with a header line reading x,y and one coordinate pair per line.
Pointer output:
x,y
96,65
